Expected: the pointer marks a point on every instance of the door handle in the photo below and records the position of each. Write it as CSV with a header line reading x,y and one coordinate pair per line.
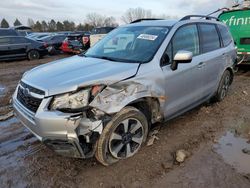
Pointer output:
x,y
200,65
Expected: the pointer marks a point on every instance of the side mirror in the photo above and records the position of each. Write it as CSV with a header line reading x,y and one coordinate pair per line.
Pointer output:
x,y
182,56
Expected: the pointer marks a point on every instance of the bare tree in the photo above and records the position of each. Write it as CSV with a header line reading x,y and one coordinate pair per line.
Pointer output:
x,y
94,19
133,14
37,26
97,20
230,3
59,26
110,22
52,25
30,22
44,26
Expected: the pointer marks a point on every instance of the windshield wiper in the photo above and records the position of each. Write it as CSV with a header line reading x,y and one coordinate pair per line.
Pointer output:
x,y
102,57
113,59
107,58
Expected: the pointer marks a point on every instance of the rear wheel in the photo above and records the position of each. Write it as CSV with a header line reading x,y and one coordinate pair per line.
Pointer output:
x,y
223,86
122,137
33,55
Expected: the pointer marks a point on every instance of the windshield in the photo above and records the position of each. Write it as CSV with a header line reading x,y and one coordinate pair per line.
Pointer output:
x,y
136,44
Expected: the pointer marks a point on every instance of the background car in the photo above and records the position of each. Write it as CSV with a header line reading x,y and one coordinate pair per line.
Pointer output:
x,y
98,33
53,42
22,30
8,32
76,43
38,36
18,47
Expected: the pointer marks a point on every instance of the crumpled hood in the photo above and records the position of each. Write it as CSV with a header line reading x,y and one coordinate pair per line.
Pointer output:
x,y
68,74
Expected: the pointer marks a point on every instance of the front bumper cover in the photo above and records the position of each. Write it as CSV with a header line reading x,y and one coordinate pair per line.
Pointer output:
x,y
59,131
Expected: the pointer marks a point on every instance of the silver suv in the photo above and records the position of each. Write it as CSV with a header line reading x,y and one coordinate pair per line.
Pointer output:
x,y
103,102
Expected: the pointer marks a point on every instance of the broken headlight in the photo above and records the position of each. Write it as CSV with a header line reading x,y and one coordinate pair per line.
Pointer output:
x,y
71,101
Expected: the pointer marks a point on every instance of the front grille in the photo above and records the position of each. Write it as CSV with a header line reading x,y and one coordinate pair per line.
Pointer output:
x,y
32,89
28,101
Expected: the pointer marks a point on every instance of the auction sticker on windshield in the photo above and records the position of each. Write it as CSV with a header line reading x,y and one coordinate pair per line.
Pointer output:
x,y
147,37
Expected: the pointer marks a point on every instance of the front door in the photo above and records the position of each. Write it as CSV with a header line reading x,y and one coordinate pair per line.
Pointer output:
x,y
183,86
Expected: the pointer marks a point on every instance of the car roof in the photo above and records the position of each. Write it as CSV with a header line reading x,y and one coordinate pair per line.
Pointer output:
x,y
171,23
11,36
168,23
9,28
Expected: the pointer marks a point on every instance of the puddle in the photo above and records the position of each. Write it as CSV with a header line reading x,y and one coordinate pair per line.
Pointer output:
x,y
231,149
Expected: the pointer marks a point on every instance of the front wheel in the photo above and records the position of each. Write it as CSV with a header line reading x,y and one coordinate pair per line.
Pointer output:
x,y
122,137
223,86
33,55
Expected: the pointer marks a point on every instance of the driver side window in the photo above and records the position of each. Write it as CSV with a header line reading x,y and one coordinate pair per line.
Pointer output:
x,y
185,38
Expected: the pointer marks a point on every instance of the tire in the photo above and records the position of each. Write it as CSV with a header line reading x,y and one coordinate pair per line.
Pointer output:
x,y
116,143
33,55
223,86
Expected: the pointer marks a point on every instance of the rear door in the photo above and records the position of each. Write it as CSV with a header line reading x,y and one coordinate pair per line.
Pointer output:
x,y
183,86
229,49
213,57
19,46
4,47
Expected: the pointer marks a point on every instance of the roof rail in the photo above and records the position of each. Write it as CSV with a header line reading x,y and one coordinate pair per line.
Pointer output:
x,y
199,16
145,19
220,9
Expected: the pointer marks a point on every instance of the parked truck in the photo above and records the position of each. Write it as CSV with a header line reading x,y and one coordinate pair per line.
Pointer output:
x,y
238,21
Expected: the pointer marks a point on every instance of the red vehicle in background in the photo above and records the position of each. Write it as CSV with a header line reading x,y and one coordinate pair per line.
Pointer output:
x,y
76,43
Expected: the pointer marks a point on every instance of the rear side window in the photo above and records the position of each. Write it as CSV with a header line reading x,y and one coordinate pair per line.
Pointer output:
x,y
209,38
186,38
18,40
8,32
61,38
225,35
4,41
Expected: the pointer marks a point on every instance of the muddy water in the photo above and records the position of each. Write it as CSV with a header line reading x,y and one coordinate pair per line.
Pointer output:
x,y
231,149
15,142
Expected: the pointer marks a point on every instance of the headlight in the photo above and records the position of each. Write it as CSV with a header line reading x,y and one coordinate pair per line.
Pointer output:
x,y
71,101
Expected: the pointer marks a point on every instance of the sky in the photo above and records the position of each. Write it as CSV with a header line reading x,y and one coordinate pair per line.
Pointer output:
x,y
76,10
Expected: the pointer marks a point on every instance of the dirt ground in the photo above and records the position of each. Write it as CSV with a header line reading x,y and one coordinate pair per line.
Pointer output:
x,y
25,162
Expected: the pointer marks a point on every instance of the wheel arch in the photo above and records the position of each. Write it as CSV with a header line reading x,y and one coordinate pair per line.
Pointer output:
x,y
150,107
231,73
31,49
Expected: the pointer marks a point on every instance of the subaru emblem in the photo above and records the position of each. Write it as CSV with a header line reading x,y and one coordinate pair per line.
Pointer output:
x,y
26,91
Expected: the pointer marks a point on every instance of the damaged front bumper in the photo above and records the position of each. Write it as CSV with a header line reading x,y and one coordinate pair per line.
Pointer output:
x,y
71,135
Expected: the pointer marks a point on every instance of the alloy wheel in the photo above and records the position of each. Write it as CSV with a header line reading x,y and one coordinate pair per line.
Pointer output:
x,y
126,139
225,86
